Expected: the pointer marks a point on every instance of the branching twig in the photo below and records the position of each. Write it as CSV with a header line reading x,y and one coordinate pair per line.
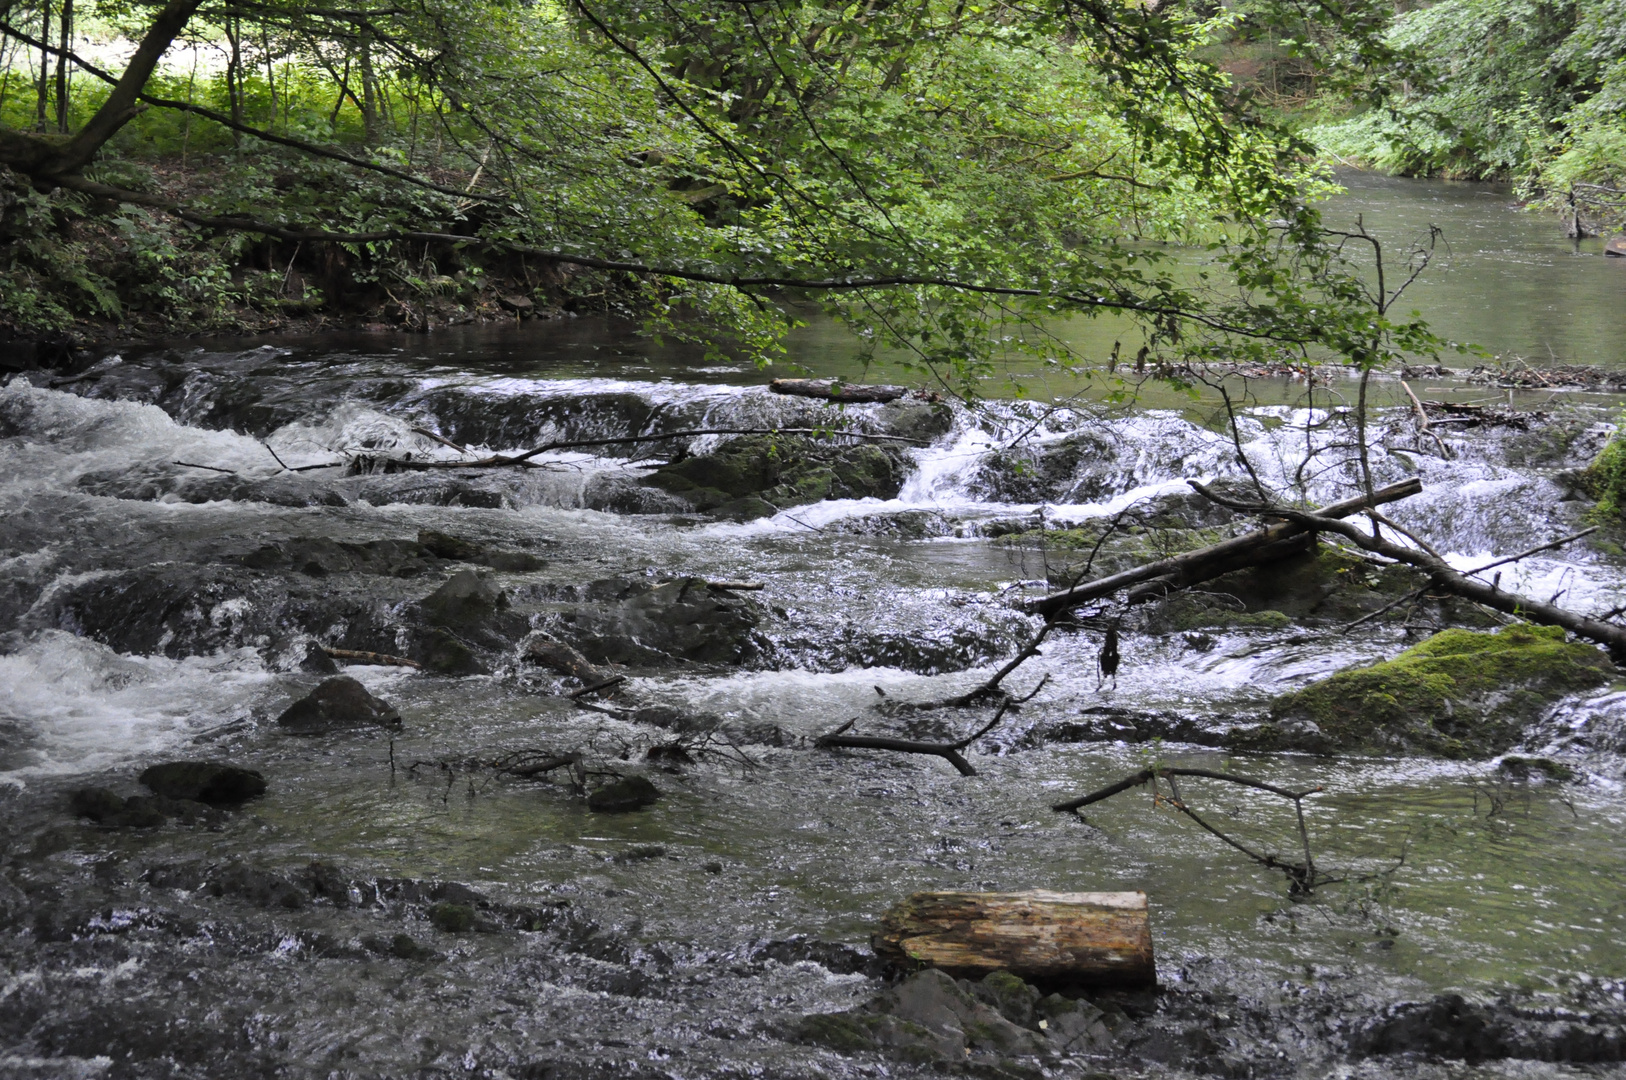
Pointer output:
x,y
949,752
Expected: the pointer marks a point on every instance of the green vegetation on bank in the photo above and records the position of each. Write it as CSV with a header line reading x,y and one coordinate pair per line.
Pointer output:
x,y
1532,90
946,178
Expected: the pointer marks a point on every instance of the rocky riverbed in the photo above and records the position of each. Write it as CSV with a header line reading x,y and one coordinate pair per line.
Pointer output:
x,y
471,855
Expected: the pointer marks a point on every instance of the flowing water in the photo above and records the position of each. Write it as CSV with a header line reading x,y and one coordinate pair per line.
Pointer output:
x,y
701,928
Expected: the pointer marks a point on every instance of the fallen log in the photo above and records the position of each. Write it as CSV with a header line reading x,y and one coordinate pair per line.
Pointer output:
x,y
361,656
1443,575
834,390
1101,939
1210,562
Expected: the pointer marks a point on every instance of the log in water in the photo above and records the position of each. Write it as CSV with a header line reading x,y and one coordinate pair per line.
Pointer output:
x,y
1085,938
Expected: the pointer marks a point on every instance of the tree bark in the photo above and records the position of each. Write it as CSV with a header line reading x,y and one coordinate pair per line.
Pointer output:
x,y
48,158
1090,939
1209,562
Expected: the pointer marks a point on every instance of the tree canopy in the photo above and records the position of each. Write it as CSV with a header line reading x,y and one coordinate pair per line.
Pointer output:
x,y
948,177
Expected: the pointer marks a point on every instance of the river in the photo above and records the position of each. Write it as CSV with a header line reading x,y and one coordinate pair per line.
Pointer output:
x,y
147,617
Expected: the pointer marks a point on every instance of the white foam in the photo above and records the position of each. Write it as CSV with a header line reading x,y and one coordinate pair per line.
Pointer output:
x,y
77,706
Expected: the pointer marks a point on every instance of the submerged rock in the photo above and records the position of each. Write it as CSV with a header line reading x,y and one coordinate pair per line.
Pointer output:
x,y
1459,694
106,807
636,620
624,795
757,475
931,1016
204,781
338,703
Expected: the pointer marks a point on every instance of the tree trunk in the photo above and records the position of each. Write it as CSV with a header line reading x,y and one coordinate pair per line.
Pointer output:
x,y
66,38
1209,562
1083,939
45,66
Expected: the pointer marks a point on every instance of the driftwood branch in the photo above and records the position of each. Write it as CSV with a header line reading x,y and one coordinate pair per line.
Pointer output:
x,y
361,656
1448,578
949,752
1210,562
1302,876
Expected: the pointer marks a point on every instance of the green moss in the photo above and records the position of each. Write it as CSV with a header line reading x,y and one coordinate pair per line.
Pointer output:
x,y
756,474
1458,694
1605,480
847,1032
452,918
1526,767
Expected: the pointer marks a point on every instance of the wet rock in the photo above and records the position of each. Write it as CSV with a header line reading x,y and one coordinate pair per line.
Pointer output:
x,y
400,946
106,807
338,703
204,781
166,482
1451,1028
834,956
1458,694
643,621
316,660
444,653
1111,723
917,419
466,599
928,1016
259,887
456,549
624,795
756,475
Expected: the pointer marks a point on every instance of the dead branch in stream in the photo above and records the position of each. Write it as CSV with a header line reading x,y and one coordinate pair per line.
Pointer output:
x,y
1262,545
361,656
949,752
1446,577
1302,877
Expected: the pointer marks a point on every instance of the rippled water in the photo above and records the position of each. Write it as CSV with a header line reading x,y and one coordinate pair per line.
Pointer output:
x,y
1457,880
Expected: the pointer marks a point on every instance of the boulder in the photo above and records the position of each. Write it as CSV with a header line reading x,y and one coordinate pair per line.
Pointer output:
x,y
637,620
624,795
444,653
466,599
1615,247
1460,694
205,781
338,703
106,807
756,475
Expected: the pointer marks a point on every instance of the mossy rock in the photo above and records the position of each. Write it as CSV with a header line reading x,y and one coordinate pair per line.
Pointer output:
x,y
1460,694
756,475
452,918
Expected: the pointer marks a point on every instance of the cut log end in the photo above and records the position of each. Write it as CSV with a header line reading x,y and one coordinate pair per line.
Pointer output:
x,y
1047,938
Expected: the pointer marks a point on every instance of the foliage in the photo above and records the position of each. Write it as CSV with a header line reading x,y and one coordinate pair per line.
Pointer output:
x,y
1531,89
946,178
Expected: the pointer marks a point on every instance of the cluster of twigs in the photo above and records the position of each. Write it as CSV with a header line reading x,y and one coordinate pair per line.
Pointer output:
x,y
1302,876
